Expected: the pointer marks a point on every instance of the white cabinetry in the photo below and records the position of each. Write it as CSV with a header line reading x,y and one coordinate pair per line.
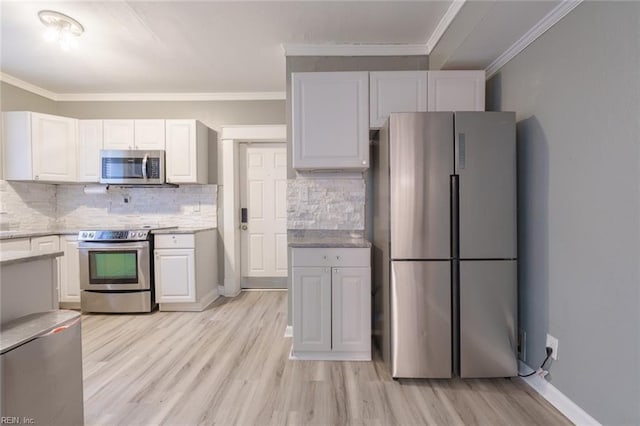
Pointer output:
x,y
46,243
39,147
456,90
134,134
396,91
118,134
185,267
15,244
149,134
49,243
89,146
330,120
69,272
331,303
187,152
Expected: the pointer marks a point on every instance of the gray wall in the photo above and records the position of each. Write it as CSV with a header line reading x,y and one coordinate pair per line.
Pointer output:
x,y
15,99
576,91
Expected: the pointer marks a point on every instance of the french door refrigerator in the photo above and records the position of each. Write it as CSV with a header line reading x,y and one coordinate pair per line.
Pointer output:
x,y
445,283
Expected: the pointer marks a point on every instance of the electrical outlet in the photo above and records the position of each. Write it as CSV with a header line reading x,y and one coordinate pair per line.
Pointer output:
x,y
552,343
522,345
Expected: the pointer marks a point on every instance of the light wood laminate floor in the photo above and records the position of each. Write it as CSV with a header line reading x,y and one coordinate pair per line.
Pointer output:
x,y
229,365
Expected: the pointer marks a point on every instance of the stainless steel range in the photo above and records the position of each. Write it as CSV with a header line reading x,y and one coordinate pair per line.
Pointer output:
x,y
116,270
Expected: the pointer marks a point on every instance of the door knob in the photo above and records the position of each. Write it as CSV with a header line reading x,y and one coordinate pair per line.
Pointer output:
x,y
244,227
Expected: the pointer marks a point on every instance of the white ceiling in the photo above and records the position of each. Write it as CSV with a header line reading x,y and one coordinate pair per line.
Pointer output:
x,y
235,46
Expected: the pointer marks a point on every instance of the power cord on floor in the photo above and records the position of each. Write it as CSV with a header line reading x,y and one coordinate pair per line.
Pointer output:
x,y
540,370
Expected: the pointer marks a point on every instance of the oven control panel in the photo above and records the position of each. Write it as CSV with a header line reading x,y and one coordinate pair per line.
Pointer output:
x,y
138,235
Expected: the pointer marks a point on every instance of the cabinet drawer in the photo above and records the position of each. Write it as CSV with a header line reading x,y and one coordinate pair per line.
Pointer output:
x,y
174,241
331,257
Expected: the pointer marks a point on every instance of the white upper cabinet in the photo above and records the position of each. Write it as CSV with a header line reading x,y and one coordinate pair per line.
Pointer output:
x,y
187,152
330,120
396,91
118,134
149,134
89,146
456,90
134,134
39,147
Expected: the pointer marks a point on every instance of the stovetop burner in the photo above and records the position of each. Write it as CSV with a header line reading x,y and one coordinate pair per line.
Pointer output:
x,y
142,233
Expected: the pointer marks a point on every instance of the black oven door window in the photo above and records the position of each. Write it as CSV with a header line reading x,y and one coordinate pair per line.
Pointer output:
x,y
113,267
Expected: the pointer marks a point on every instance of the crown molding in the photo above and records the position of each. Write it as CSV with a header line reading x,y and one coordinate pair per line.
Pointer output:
x,y
354,49
171,97
548,21
444,23
28,86
132,97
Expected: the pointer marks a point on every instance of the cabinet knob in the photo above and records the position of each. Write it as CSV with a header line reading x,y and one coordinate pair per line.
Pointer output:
x,y
364,162
337,271
338,257
324,257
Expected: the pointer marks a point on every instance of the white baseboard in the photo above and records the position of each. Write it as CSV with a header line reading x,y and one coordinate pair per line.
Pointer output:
x,y
549,392
329,356
288,332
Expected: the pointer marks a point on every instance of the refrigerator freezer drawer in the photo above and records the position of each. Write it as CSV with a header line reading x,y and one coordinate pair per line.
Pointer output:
x,y
421,319
488,317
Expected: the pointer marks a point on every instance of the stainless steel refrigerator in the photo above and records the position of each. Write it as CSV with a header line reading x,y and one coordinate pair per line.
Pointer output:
x,y
445,242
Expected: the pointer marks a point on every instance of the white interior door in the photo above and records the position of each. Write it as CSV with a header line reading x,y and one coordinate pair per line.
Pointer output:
x,y
263,192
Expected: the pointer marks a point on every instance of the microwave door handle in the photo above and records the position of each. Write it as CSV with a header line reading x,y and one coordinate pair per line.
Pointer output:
x,y
145,160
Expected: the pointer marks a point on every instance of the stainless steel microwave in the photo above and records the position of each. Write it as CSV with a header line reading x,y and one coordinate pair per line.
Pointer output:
x,y
131,167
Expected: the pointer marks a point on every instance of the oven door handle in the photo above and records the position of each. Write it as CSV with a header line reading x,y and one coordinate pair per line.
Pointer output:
x,y
113,246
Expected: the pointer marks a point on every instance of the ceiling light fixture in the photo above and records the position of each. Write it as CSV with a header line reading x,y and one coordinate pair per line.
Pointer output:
x,y
61,28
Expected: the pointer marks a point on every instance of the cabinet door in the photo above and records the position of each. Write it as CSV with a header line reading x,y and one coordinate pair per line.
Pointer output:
x,y
54,144
46,243
396,91
311,309
118,134
175,275
351,309
456,90
89,146
182,152
15,244
330,123
70,270
149,134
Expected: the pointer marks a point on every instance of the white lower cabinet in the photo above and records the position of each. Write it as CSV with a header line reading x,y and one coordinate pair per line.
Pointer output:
x,y
175,280
185,268
69,292
331,303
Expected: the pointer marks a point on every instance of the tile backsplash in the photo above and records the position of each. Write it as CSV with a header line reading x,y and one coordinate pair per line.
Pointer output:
x,y
187,205
43,207
27,206
326,203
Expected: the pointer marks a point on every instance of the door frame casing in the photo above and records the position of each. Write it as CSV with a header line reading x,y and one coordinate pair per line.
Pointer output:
x,y
229,190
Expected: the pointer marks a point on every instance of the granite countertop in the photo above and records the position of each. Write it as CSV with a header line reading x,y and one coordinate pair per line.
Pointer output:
x,y
327,238
11,257
183,230
24,329
15,234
